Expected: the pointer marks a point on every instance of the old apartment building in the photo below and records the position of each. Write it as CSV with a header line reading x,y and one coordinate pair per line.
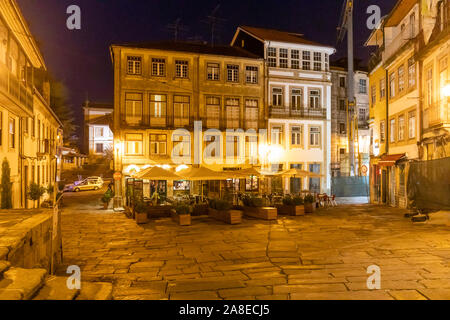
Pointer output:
x,y
340,165
29,129
163,91
298,92
98,136
408,94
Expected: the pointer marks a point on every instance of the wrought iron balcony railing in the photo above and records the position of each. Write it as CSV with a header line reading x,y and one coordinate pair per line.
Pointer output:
x,y
303,113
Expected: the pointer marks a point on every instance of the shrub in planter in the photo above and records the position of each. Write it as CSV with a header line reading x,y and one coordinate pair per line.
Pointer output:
x,y
309,201
257,202
182,214
105,199
288,201
182,209
140,212
222,205
298,201
35,191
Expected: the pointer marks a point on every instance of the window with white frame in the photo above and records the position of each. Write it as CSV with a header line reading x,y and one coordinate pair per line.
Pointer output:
x,y
133,144
306,57
411,72
134,65
212,112
213,71
133,108
295,59
296,99
401,128
181,68
99,148
277,97
99,132
276,135
158,107
317,61
314,136
251,74
283,58
362,86
392,130
158,143
392,85
411,124
401,78
382,88
232,112
181,110
382,131
272,57
158,67
251,114
314,99
232,73
297,135
362,113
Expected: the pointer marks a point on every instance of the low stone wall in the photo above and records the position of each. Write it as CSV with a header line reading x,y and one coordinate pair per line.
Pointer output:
x,y
26,238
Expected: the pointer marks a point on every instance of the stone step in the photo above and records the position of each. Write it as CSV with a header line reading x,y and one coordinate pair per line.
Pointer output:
x,y
95,291
21,284
55,288
4,265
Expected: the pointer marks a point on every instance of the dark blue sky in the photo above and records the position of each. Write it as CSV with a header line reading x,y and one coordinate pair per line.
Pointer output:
x,y
80,58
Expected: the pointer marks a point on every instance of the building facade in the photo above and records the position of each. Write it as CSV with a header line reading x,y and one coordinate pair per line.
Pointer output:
x,y
409,107
98,136
340,165
173,105
29,129
298,93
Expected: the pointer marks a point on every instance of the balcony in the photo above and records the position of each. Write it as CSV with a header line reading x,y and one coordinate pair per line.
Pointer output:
x,y
305,113
402,40
438,113
15,89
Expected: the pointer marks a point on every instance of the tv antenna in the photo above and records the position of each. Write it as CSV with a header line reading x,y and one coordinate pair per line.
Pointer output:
x,y
177,28
214,22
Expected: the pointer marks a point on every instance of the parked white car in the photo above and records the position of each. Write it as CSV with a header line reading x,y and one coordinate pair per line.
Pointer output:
x,y
90,183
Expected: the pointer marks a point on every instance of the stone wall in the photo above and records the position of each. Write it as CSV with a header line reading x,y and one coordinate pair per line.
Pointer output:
x,y
26,238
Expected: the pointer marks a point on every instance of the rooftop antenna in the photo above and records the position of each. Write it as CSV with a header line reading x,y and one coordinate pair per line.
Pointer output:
x,y
346,27
177,28
214,22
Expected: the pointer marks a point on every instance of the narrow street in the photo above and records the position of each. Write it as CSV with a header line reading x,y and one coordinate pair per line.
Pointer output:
x,y
324,255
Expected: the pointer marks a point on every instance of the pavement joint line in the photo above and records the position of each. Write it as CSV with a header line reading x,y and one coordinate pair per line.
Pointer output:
x,y
374,240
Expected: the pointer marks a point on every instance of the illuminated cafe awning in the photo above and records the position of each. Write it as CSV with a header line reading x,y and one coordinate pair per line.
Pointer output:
x,y
390,160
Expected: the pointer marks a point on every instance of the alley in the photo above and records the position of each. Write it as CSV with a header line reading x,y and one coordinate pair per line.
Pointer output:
x,y
324,255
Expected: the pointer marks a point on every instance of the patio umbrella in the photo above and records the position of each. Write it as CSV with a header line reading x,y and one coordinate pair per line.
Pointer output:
x,y
157,173
244,173
296,173
202,173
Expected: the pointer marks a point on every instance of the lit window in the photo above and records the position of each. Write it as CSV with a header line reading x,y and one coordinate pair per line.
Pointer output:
x,y
158,106
133,144
133,108
232,112
392,130
212,112
382,131
12,133
412,124
251,114
401,128
181,110
251,74
401,79
158,144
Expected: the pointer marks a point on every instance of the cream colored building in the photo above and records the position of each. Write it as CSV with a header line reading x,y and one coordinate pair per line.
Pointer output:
x,y
28,127
98,136
164,91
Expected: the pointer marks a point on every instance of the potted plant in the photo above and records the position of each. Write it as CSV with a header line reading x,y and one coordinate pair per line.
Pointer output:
x,y
309,203
140,212
222,210
182,214
291,206
255,207
105,200
35,192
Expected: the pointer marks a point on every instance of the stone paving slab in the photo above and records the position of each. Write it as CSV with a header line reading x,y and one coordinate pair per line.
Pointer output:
x,y
324,255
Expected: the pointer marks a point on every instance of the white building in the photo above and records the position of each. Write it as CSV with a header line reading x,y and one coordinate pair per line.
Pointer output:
x,y
298,84
98,137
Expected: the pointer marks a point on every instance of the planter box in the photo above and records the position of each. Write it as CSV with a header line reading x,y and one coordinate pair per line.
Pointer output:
x,y
181,219
200,210
310,207
141,217
291,210
159,211
227,216
266,213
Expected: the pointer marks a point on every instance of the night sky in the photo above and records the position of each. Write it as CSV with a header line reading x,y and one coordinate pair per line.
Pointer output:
x,y
80,58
